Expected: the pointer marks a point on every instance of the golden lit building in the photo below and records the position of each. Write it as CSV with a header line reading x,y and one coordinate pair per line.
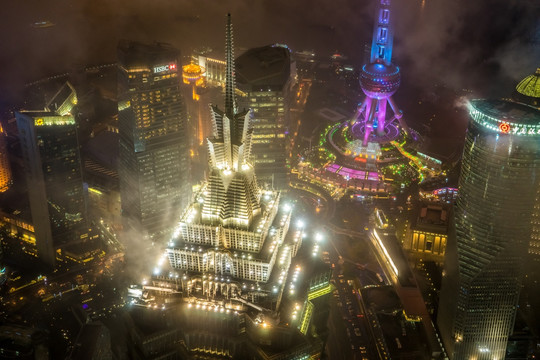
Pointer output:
x,y
426,238
5,170
193,74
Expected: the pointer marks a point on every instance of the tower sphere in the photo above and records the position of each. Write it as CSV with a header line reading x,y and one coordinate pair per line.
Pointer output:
x,y
380,81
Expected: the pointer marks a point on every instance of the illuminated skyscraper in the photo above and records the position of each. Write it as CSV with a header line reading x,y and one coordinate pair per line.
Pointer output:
x,y
488,242
379,80
245,292
227,230
528,92
266,76
52,164
154,166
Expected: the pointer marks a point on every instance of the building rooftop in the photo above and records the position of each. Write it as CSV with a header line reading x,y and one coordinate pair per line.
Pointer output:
x,y
508,111
432,218
264,66
506,117
530,85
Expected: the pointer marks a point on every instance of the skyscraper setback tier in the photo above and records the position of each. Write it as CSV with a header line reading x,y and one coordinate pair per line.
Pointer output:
x,y
53,171
154,166
492,226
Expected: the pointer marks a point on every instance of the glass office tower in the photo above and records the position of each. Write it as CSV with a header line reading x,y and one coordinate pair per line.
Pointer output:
x,y
53,170
154,166
492,226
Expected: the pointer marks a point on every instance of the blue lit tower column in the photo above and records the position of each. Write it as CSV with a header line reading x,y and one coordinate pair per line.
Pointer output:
x,y
488,242
379,80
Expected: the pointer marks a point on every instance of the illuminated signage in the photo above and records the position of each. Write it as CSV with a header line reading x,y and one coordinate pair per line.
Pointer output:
x,y
54,121
504,127
162,68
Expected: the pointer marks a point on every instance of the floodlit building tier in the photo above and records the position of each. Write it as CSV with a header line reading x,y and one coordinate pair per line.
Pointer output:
x,y
488,246
209,246
52,165
154,162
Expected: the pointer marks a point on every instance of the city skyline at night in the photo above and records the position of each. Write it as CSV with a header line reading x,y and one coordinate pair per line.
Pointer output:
x,y
330,180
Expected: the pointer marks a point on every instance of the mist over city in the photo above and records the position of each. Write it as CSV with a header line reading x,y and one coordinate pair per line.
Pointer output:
x,y
270,179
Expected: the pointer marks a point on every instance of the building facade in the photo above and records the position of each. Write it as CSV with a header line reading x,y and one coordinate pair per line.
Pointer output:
x,y
427,236
53,170
266,75
491,229
528,92
154,162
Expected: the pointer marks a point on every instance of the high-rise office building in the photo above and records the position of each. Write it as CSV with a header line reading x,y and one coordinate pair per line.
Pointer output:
x,y
154,164
528,91
266,76
52,164
491,229
230,221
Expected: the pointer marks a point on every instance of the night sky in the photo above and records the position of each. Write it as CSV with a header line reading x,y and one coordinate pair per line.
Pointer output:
x,y
485,45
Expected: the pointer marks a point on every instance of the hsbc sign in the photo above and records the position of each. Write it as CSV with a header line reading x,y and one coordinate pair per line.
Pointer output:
x,y
162,68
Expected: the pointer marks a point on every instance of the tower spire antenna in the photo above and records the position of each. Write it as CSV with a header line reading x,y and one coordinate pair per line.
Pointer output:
x,y
383,35
230,100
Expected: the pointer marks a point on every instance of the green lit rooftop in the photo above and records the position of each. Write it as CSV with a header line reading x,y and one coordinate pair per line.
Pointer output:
x,y
530,85
506,116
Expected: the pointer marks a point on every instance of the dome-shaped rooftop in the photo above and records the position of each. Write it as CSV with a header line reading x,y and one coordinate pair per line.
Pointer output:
x,y
530,86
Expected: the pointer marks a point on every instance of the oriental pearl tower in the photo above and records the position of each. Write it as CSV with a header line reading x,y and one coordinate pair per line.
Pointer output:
x,y
379,80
